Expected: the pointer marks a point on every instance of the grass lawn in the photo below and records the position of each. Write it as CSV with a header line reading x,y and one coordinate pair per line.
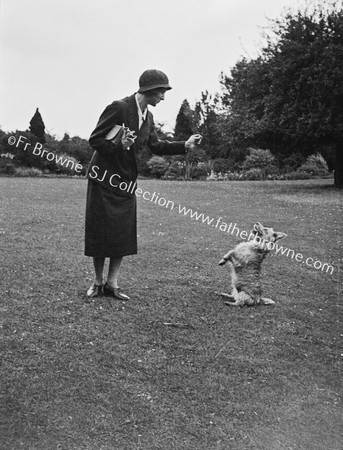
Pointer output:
x,y
104,376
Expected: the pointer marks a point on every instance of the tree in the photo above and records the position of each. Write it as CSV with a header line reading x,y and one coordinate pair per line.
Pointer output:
x,y
37,127
77,147
245,92
207,118
290,99
307,74
206,121
184,122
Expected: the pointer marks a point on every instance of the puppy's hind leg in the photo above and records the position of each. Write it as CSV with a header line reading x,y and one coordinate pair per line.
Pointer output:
x,y
266,301
228,296
231,299
235,303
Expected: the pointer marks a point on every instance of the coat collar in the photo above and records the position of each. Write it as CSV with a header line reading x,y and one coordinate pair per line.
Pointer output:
x,y
133,122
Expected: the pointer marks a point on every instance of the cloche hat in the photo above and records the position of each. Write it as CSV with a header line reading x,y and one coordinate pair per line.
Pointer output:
x,y
153,79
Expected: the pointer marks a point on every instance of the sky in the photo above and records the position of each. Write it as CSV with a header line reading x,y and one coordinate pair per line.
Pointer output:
x,y
71,58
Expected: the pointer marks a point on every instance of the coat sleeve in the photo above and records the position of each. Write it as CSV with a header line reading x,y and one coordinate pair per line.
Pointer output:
x,y
112,115
160,147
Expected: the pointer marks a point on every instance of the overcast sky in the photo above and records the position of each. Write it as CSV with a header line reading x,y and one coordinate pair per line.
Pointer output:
x,y
71,58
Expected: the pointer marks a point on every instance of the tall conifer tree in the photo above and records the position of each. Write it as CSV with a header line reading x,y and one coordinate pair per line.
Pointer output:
x,y
37,127
184,119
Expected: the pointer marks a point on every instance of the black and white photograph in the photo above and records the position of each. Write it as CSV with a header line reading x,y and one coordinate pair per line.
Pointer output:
x,y
171,210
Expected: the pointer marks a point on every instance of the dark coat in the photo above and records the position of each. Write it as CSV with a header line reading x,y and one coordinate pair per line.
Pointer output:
x,y
111,220
111,164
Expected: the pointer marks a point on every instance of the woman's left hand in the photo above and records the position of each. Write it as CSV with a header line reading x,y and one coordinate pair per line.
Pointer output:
x,y
194,140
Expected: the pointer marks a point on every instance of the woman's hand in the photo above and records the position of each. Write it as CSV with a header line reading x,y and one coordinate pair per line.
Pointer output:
x,y
128,138
194,140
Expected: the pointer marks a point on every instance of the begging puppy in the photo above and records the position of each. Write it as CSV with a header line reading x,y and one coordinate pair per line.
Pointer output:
x,y
245,260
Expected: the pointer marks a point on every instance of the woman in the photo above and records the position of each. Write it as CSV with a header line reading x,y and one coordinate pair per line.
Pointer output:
x,y
124,130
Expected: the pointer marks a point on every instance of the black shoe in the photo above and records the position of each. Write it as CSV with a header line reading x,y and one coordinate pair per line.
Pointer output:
x,y
115,292
94,291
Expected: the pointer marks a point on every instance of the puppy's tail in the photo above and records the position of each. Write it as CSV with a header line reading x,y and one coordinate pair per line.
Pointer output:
x,y
226,258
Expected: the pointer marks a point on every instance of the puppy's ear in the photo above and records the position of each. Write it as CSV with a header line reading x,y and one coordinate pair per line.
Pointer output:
x,y
258,227
279,235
